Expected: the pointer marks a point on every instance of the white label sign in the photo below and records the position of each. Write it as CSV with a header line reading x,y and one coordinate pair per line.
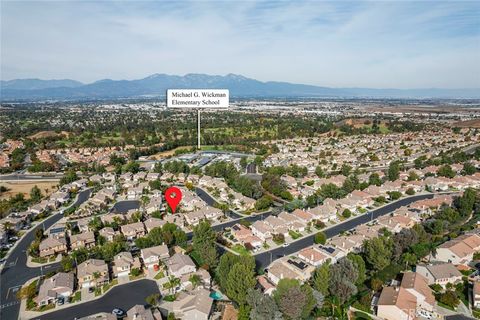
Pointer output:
x,y
197,98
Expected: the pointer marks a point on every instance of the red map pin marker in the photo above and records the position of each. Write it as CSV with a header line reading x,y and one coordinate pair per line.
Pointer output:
x,y
173,196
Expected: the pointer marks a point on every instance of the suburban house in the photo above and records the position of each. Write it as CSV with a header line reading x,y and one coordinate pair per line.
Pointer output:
x,y
291,268
459,250
194,217
52,246
439,273
407,300
195,304
92,273
262,230
152,223
139,312
345,244
324,212
133,231
123,263
396,303
313,256
82,240
108,233
60,197
155,204
476,294
61,285
180,264
153,256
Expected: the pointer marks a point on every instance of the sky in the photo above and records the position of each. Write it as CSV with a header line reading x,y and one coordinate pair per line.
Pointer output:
x,y
387,44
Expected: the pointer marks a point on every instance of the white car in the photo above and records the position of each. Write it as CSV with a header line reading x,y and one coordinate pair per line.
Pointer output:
x,y
286,244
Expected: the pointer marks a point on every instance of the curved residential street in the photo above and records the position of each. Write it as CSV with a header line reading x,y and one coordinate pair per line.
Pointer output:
x,y
16,273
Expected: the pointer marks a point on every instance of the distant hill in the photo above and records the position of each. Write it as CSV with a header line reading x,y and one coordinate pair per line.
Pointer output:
x,y
239,86
36,84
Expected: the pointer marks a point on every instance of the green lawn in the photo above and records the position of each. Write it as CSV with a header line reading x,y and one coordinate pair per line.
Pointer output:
x,y
295,235
170,298
443,305
240,249
107,286
160,275
39,260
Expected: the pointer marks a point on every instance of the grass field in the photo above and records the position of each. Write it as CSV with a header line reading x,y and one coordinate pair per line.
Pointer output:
x,y
24,187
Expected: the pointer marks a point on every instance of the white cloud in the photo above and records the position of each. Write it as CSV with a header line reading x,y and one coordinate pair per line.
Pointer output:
x,y
371,44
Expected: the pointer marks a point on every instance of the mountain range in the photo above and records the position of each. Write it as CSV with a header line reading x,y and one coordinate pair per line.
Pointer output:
x,y
239,86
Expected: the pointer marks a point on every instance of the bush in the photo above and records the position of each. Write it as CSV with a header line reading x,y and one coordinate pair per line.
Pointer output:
x,y
319,224
135,272
449,298
278,238
153,299
395,195
410,191
346,213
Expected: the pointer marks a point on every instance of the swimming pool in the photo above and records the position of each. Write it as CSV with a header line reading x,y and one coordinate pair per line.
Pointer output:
x,y
216,295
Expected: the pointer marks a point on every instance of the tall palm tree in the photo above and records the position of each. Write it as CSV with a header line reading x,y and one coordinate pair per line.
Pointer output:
x,y
173,282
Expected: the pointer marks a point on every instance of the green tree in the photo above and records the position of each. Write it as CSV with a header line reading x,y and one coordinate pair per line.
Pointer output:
x,y
446,171
153,299
263,203
204,243
35,194
413,176
263,307
320,238
378,252
240,278
319,172
374,179
132,166
243,162
393,171
195,280
321,278
345,170
343,276
359,264
346,213
410,191
468,168
294,300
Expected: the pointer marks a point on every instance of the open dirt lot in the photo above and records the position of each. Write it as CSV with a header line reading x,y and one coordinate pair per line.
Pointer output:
x,y
25,187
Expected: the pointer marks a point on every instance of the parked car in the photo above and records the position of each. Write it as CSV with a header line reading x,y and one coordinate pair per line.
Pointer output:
x,y
13,239
118,312
286,244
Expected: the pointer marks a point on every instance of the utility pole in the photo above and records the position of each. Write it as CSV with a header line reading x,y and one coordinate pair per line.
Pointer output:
x,y
198,129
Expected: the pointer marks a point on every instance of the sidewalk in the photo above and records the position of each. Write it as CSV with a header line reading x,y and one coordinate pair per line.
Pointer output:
x,y
24,314
32,264
341,222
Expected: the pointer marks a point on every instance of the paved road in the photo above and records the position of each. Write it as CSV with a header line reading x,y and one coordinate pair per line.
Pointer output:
x,y
16,273
265,258
29,177
125,205
124,297
212,202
